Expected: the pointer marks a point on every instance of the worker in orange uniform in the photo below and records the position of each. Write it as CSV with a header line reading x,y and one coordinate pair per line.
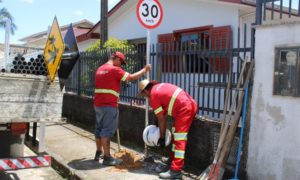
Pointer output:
x,y
168,99
107,89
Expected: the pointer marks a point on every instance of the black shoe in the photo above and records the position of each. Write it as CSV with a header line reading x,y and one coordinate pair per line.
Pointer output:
x,y
110,161
171,175
161,168
98,155
166,161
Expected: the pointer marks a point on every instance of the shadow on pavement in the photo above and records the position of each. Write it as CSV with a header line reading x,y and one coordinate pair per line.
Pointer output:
x,y
84,164
8,176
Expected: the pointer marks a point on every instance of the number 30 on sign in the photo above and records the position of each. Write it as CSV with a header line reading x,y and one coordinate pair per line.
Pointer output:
x,y
149,13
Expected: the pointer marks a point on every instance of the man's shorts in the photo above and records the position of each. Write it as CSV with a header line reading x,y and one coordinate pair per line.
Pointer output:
x,y
107,119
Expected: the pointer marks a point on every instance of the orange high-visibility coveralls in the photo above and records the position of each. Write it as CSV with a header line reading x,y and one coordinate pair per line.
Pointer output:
x,y
169,99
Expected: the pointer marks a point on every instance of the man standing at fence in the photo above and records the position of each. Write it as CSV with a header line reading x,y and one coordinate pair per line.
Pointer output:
x,y
168,99
107,89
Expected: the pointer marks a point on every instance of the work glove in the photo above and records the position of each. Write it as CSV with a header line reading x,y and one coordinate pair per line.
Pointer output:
x,y
156,122
161,142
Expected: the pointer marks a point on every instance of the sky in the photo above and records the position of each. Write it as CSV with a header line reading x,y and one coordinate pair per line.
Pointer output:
x,y
33,16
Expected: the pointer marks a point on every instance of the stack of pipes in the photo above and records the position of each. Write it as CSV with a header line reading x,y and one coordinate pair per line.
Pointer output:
x,y
34,66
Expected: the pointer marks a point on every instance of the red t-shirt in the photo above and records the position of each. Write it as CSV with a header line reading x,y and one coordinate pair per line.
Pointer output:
x,y
160,99
107,85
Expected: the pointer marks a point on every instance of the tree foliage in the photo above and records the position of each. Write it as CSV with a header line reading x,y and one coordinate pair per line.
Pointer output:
x,y
4,15
111,43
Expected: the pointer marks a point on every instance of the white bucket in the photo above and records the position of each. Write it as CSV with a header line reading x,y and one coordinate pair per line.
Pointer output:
x,y
151,135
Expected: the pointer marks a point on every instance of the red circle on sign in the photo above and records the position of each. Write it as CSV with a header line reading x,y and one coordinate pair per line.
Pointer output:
x,y
140,19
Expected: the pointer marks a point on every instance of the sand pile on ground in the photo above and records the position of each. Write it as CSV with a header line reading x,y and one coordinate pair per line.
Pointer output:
x,y
131,161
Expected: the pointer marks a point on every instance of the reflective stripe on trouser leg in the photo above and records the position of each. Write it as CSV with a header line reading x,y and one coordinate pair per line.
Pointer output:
x,y
173,148
182,126
179,154
178,160
180,136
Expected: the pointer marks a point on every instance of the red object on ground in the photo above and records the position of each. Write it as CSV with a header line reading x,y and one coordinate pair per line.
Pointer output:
x,y
24,162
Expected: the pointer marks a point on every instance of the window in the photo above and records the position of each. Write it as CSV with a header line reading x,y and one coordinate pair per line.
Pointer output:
x,y
287,72
194,50
197,40
190,44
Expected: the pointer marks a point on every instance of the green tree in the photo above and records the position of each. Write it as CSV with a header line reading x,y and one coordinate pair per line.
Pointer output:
x,y
4,14
112,43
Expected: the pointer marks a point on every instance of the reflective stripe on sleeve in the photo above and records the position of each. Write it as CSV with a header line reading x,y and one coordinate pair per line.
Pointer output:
x,y
171,104
180,136
107,91
158,110
179,154
173,147
125,76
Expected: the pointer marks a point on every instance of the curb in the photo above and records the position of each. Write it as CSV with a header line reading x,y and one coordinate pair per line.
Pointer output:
x,y
57,163
66,172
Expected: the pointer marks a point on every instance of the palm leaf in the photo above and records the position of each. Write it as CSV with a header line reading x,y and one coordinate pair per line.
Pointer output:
x,y
4,14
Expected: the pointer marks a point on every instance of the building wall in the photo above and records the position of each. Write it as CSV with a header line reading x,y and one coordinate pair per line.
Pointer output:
x,y
193,14
82,46
274,142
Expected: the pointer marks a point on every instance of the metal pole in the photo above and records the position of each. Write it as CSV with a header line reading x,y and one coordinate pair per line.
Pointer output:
x,y
118,139
104,26
42,137
148,77
240,147
78,77
27,132
33,140
258,12
148,51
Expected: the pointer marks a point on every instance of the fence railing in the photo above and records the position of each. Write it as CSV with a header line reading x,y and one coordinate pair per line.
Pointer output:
x,y
202,71
268,10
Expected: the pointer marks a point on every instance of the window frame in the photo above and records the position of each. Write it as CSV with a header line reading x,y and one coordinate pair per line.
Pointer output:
x,y
278,90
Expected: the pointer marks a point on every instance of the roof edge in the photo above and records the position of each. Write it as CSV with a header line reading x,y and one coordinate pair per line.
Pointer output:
x,y
61,28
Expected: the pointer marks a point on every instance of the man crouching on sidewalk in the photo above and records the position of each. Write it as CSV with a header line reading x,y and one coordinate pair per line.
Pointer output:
x,y
168,99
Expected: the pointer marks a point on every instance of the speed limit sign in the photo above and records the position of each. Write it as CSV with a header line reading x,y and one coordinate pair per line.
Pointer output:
x,y
149,13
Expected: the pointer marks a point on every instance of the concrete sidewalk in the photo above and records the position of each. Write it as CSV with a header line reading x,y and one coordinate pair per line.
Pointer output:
x,y
74,148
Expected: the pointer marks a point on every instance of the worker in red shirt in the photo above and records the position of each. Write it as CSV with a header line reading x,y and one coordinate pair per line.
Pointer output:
x,y
107,89
168,99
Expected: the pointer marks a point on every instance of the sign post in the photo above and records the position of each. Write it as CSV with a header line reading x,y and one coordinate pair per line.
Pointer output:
x,y
149,14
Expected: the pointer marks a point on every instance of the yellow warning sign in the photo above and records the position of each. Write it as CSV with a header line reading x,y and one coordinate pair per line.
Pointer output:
x,y
54,50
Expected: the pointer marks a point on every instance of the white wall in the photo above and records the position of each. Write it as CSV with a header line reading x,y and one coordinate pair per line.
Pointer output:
x,y
82,46
178,14
274,144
